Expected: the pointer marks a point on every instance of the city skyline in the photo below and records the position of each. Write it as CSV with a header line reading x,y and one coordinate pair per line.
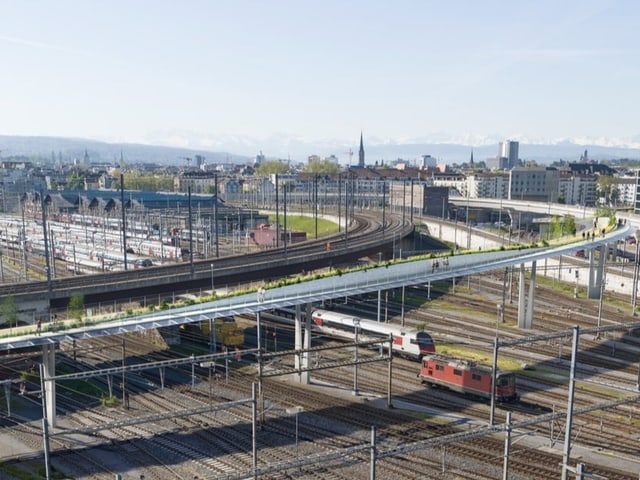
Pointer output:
x,y
208,74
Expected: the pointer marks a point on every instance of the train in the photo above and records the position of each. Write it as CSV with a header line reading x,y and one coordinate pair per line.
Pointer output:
x,y
467,377
407,341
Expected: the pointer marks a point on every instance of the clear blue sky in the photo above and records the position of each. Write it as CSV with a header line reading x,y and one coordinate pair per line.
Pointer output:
x,y
199,72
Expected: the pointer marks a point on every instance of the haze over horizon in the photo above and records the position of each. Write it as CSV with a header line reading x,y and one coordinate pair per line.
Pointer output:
x,y
207,75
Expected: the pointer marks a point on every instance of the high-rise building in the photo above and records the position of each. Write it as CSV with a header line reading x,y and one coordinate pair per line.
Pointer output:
x,y
427,161
509,151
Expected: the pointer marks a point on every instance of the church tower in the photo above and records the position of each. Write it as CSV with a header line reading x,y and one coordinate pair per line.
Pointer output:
x,y
361,153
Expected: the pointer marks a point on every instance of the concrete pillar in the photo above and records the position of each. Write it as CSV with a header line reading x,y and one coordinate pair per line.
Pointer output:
x,y
596,274
591,279
49,364
521,298
298,337
532,298
306,360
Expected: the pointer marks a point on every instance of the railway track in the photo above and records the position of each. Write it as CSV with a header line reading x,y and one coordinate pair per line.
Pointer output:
x,y
364,234
331,423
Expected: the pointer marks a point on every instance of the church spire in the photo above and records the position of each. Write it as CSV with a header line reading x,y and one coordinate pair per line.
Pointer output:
x,y
361,153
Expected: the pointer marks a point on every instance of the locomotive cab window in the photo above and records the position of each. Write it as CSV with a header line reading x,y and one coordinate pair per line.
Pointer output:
x,y
457,372
476,377
440,368
504,381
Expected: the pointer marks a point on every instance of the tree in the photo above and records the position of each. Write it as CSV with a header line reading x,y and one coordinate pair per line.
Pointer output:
x,y
147,182
75,181
322,166
76,306
563,226
271,167
9,311
606,185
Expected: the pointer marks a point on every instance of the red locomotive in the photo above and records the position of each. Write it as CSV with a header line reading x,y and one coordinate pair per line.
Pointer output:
x,y
468,377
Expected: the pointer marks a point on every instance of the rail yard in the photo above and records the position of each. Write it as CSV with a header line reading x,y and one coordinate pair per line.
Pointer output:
x,y
196,420
330,419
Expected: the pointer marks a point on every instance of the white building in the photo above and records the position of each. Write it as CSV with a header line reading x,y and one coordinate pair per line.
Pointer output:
x,y
488,185
626,190
451,180
577,188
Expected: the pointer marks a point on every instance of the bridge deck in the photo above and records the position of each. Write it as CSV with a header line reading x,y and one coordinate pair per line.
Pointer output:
x,y
363,281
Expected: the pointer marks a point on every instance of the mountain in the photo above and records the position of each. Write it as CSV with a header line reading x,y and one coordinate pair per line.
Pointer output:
x,y
75,148
244,150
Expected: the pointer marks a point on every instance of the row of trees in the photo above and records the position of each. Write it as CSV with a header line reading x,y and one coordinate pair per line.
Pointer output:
x,y
164,182
324,167
10,312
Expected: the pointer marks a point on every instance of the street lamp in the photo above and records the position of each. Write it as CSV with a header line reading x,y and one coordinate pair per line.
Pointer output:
x,y
295,411
356,327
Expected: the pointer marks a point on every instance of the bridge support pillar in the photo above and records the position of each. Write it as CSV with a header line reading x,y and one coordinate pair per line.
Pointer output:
x,y
303,342
49,370
532,298
298,337
521,297
526,309
596,274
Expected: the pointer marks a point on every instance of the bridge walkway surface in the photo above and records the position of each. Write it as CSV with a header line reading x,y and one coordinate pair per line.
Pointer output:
x,y
368,279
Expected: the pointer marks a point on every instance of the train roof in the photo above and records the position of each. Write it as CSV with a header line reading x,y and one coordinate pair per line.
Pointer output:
x,y
367,325
461,363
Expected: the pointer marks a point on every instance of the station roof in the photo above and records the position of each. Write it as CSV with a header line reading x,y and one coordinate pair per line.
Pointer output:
x,y
69,199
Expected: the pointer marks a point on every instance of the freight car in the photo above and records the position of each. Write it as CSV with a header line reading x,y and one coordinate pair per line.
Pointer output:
x,y
408,342
225,330
467,377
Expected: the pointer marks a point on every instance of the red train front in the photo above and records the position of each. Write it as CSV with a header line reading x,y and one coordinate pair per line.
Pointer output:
x,y
506,387
467,377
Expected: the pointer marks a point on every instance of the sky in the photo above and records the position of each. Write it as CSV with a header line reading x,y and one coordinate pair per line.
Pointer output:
x,y
212,73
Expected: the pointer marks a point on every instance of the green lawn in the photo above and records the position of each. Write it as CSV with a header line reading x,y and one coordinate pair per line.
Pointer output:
x,y
300,223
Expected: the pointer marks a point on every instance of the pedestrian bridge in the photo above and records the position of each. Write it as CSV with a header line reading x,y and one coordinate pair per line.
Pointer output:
x,y
367,279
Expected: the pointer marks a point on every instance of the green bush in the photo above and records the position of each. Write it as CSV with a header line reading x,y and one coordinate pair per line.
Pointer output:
x,y
109,401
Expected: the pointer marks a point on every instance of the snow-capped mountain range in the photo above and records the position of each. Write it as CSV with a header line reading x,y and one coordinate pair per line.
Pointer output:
x,y
168,147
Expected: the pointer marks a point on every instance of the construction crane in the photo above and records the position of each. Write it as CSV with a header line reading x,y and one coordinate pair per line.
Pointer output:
x,y
350,153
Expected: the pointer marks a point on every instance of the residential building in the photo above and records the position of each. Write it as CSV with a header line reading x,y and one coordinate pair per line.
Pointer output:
x,y
488,185
577,188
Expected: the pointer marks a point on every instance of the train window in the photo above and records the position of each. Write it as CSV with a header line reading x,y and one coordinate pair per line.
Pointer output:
x,y
440,368
504,381
476,377
457,372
